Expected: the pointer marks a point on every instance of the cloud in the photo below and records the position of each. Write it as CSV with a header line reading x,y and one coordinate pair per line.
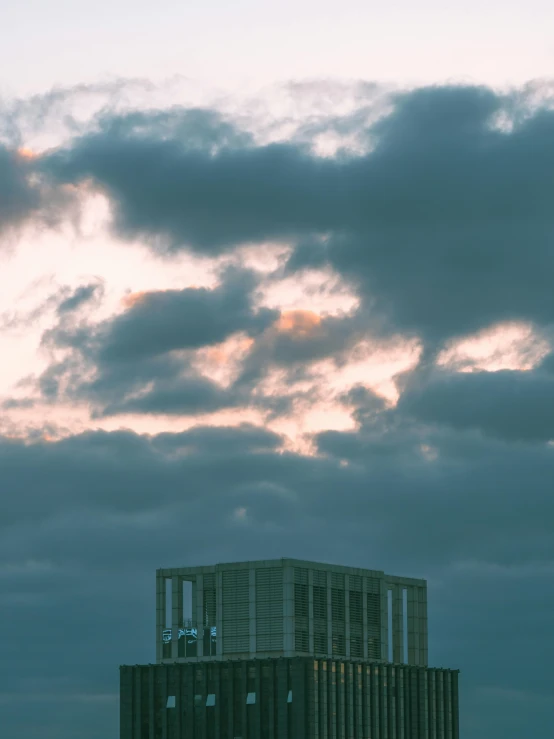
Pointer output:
x,y
512,405
182,396
220,440
163,321
298,339
142,360
115,506
447,208
125,474
441,225
79,297
18,198
29,198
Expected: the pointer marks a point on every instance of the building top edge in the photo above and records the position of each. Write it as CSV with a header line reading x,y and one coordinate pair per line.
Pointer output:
x,y
286,561
298,657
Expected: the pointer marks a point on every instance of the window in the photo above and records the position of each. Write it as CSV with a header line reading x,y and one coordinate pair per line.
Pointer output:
x,y
170,701
289,697
250,699
210,700
197,701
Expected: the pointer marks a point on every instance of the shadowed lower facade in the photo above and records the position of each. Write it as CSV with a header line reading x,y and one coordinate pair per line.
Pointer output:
x,y
288,649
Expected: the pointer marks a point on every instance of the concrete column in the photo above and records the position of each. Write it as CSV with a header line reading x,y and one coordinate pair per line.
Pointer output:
x,y
199,613
281,692
151,711
311,610
364,616
423,658
252,611
347,613
384,620
413,632
288,611
349,699
329,615
423,707
219,611
397,625
160,614
433,704
176,613
455,707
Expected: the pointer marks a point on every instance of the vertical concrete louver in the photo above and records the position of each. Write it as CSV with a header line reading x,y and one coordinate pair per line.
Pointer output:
x,y
290,608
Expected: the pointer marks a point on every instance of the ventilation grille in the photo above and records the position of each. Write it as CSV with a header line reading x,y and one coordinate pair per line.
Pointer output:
x,y
269,609
300,601
301,575
320,603
339,642
320,578
337,605
320,641
320,613
356,618
356,644
301,609
356,610
236,611
373,624
338,615
301,643
373,585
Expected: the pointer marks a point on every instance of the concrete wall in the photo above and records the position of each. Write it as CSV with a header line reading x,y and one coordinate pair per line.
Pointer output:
x,y
296,698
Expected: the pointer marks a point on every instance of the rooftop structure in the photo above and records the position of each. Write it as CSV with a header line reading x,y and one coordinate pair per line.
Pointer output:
x,y
289,608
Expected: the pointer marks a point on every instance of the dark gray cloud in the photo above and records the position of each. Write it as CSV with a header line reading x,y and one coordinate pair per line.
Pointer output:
x,y
27,197
297,340
517,405
141,361
459,234
219,440
446,209
79,297
184,319
18,198
179,396
86,520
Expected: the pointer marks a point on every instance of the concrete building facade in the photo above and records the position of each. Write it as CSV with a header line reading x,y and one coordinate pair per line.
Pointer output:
x,y
288,698
288,649
288,608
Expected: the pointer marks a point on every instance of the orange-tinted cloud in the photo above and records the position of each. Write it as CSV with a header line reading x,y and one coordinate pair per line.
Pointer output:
x,y
219,355
300,324
132,299
26,153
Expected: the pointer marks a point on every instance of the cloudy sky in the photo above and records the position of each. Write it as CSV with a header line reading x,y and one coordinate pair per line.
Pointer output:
x,y
275,280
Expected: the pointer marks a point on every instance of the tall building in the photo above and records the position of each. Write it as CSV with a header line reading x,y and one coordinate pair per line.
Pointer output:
x,y
288,649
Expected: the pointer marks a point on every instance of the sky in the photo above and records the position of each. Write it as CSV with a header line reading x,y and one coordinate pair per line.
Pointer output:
x,y
275,281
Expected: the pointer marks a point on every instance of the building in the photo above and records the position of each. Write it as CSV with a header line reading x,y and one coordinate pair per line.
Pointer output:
x,y
288,649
